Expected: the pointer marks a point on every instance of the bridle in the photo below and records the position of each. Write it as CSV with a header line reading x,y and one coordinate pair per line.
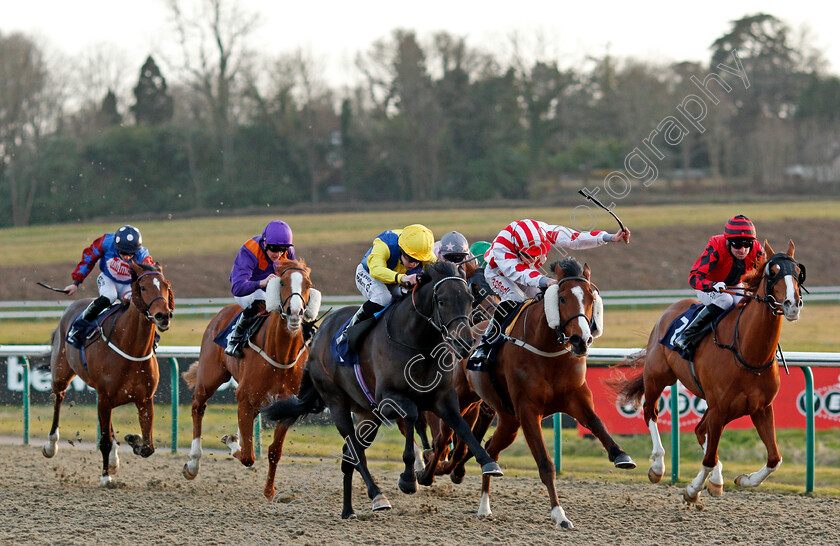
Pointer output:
x,y
435,320
284,308
787,266
145,312
562,338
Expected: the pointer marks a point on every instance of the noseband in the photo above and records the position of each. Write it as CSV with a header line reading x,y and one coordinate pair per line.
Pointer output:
x,y
562,338
145,311
284,308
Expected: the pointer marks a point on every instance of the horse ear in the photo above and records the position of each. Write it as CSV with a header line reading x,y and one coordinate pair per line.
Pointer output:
x,y
558,271
171,297
767,248
586,271
791,248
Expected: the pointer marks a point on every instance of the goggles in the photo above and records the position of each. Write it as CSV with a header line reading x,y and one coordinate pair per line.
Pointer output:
x,y
410,259
741,243
277,248
455,257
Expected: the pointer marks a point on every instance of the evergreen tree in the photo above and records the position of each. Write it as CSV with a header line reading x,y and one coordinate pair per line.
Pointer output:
x,y
153,103
108,115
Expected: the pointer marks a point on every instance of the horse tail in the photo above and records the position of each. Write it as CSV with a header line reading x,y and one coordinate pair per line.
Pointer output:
x,y
191,374
629,391
289,409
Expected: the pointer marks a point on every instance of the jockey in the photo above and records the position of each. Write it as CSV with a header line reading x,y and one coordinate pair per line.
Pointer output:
x,y
395,258
726,258
479,249
452,247
114,252
252,269
514,259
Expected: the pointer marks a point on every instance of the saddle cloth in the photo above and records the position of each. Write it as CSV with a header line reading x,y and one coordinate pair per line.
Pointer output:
x,y
679,324
346,352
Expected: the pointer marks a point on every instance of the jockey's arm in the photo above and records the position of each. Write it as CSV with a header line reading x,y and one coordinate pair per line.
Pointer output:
x,y
377,263
563,237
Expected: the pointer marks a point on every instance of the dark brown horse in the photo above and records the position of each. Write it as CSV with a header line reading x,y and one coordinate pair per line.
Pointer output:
x,y
734,370
546,377
406,360
271,367
118,361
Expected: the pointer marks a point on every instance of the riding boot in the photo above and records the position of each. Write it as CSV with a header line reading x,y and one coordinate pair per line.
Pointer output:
x,y
366,311
236,341
705,316
85,321
491,334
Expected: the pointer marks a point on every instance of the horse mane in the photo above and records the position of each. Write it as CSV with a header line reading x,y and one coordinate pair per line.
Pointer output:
x,y
570,266
440,268
285,262
752,279
150,267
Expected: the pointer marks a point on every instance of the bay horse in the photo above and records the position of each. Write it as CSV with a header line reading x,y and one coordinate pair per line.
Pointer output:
x,y
546,377
406,359
119,362
271,367
734,370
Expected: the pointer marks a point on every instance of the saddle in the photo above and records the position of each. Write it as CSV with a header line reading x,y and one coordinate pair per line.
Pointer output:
x,y
506,326
89,328
346,352
221,338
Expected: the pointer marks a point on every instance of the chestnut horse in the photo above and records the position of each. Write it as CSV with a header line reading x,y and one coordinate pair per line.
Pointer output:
x,y
271,366
119,362
734,370
546,377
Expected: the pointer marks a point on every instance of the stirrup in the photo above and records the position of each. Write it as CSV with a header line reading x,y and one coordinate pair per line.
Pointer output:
x,y
235,349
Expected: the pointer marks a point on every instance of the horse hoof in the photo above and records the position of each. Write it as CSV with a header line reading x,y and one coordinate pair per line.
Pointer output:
x,y
409,487
739,478
104,480
688,498
566,524
348,515
46,453
624,462
458,474
714,489
187,474
380,502
269,493
423,482
427,455
492,469
653,476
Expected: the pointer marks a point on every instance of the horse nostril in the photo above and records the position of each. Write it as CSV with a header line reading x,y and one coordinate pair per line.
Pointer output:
x,y
589,341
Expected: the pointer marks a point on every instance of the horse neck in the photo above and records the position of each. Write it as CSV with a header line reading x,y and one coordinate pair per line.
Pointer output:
x,y
759,331
132,325
409,320
535,326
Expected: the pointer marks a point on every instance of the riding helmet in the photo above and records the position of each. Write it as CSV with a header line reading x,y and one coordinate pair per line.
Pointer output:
x,y
127,240
417,242
530,238
739,227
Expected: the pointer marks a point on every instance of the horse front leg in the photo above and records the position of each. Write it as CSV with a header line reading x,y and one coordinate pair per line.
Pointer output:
x,y
143,445
356,440
246,414
447,409
275,450
581,407
504,435
765,425
714,429
107,443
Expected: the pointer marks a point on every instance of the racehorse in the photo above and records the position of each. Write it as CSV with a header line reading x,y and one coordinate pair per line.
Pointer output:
x,y
734,370
542,371
119,363
406,359
271,367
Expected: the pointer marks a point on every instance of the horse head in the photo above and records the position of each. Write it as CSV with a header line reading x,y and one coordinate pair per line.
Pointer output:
x,y
783,278
152,294
291,294
573,307
444,299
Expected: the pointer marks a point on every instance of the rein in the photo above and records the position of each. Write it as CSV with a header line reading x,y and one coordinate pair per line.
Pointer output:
x,y
146,315
786,268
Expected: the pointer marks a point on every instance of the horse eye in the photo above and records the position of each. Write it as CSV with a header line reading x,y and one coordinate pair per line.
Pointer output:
x,y
142,288
562,299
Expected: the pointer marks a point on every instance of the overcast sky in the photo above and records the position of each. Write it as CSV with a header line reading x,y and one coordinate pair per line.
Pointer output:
x,y
333,32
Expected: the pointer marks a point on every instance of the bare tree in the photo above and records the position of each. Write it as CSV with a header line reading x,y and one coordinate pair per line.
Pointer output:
x,y
29,110
213,39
